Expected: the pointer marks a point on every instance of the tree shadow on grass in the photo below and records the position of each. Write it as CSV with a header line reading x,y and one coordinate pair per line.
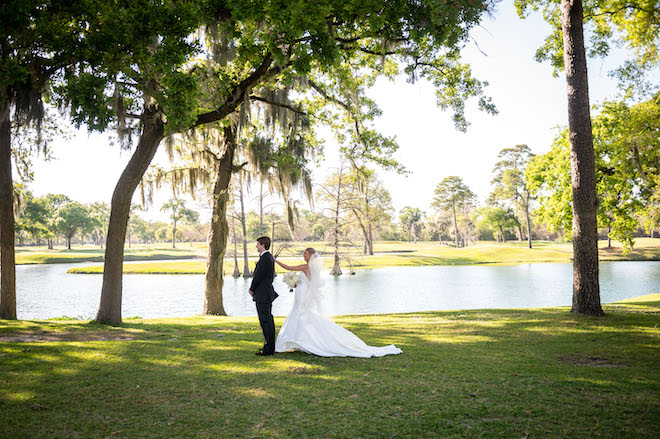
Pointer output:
x,y
463,373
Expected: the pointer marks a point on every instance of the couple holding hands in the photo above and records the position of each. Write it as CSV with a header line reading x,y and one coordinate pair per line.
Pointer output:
x,y
306,328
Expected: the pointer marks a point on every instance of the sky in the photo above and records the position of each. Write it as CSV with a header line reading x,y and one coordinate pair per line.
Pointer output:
x,y
531,103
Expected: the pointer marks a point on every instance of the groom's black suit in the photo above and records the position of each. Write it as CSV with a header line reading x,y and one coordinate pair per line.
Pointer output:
x,y
264,294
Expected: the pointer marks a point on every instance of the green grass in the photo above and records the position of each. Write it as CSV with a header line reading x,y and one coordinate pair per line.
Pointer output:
x,y
137,252
539,373
400,254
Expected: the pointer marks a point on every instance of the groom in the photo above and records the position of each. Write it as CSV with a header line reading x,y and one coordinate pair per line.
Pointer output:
x,y
263,294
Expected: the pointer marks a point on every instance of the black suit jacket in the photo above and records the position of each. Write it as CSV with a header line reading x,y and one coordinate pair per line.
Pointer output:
x,y
262,280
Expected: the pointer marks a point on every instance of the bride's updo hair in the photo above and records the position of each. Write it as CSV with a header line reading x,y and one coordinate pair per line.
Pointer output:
x,y
310,250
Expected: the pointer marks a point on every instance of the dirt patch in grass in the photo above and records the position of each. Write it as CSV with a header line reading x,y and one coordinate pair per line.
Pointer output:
x,y
32,337
302,370
591,361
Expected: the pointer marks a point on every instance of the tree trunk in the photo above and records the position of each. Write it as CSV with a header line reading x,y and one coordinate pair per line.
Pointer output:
x,y
365,232
336,269
219,229
609,238
7,250
503,235
586,290
261,208
68,243
246,263
272,239
370,242
370,235
237,272
455,227
174,234
529,223
111,291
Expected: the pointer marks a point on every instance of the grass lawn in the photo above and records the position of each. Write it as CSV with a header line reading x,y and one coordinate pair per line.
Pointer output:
x,y
538,373
137,252
398,254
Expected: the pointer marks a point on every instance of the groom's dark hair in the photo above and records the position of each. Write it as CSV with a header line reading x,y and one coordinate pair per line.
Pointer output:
x,y
265,241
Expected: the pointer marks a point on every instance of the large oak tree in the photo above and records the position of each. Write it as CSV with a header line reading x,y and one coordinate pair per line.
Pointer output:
x,y
38,39
635,22
150,67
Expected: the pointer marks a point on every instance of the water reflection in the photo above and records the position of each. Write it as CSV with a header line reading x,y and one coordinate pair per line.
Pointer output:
x,y
45,291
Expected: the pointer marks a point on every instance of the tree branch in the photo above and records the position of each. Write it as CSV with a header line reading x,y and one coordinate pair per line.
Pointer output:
x,y
322,92
652,13
277,104
367,51
263,72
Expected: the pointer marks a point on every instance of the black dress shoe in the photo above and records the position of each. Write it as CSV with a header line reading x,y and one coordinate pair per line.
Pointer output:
x,y
261,353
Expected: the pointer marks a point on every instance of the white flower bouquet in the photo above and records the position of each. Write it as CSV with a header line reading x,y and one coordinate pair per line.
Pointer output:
x,y
291,279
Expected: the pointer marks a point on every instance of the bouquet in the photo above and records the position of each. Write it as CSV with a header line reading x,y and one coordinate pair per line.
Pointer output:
x,y
291,279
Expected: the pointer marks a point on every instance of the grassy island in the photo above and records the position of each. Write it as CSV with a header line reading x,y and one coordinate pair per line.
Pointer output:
x,y
400,254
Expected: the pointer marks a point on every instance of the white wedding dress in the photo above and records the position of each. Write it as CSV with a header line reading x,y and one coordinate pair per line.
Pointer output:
x,y
307,329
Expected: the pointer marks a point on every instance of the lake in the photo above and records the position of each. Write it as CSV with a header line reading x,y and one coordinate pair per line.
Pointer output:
x,y
47,291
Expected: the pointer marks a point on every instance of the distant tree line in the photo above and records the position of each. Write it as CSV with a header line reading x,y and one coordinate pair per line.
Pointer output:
x,y
55,219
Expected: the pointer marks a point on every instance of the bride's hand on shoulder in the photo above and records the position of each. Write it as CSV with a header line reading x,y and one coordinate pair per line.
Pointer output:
x,y
286,267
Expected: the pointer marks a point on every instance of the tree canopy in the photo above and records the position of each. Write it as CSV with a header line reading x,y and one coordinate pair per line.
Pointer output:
x,y
626,145
612,23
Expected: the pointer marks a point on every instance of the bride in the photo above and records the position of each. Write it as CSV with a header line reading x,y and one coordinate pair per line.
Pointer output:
x,y
307,329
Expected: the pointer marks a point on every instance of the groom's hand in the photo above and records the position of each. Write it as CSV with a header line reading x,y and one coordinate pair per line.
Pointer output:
x,y
251,293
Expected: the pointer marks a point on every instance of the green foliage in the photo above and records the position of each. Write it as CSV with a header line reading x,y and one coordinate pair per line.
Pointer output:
x,y
141,50
511,188
133,52
370,203
72,218
609,23
497,220
38,39
549,178
509,178
451,194
34,219
179,214
32,140
626,146
411,219
629,163
100,213
89,104
39,218
313,226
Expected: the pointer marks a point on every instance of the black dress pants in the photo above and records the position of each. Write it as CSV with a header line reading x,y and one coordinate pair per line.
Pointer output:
x,y
265,313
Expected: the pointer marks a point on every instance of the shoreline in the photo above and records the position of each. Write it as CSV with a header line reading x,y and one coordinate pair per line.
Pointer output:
x,y
639,301
200,269
192,260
